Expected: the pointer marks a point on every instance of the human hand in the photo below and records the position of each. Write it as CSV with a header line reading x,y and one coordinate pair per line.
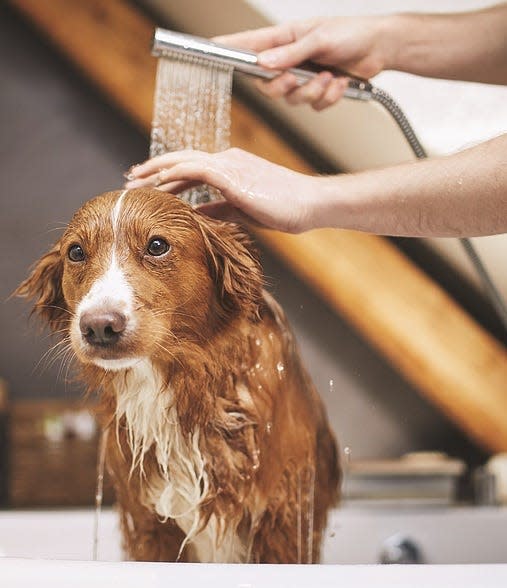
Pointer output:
x,y
357,45
254,189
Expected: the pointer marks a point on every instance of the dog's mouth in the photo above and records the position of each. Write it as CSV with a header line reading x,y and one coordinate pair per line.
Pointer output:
x,y
109,357
113,356
117,364
105,339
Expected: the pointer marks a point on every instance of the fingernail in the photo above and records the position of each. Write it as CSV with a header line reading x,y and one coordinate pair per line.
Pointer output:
x,y
132,170
268,58
129,175
325,78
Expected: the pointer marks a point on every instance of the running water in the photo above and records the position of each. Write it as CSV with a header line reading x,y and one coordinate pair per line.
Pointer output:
x,y
99,492
192,110
347,457
305,510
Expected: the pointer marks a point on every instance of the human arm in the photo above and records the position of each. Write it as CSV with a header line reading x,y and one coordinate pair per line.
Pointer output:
x,y
459,195
468,46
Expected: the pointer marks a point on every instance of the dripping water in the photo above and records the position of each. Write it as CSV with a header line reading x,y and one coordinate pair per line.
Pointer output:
x,y
347,456
192,110
299,521
99,491
305,513
311,501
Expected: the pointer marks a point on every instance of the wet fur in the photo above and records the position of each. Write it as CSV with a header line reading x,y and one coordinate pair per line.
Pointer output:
x,y
221,371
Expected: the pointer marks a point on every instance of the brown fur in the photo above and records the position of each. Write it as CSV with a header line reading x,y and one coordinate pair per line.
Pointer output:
x,y
208,327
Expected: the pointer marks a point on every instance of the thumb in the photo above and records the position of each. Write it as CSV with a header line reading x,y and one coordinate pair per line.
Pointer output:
x,y
222,210
288,55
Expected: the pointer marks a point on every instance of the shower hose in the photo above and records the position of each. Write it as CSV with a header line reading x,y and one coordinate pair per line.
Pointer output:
x,y
370,92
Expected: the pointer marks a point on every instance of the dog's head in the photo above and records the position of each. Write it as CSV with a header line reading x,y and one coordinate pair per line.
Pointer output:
x,y
137,273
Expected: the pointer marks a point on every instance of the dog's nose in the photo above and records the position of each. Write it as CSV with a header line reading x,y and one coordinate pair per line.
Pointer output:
x,y
102,328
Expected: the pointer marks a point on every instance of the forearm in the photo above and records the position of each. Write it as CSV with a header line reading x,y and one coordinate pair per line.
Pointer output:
x,y
467,46
459,195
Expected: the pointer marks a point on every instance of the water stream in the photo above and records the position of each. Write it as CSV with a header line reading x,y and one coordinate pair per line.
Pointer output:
x,y
192,110
99,491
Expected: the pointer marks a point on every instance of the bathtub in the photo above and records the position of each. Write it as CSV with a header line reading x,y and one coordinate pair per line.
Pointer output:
x,y
54,548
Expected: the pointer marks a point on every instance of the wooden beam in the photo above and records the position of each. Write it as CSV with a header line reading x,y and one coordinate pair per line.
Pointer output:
x,y
402,312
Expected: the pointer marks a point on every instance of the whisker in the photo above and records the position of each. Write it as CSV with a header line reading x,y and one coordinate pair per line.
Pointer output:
x,y
174,357
46,360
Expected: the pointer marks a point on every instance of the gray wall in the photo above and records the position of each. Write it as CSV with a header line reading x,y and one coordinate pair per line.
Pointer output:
x,y
60,144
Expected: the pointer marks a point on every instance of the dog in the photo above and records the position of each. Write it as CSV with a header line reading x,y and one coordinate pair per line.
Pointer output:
x,y
219,446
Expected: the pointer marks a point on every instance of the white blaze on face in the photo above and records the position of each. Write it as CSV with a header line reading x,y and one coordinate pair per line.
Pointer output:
x,y
111,291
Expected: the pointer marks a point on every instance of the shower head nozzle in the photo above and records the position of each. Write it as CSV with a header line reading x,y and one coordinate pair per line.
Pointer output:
x,y
170,43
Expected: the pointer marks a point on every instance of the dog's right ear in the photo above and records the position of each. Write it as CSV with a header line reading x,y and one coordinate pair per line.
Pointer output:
x,y
44,285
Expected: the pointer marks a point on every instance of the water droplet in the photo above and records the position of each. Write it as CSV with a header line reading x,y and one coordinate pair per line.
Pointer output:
x,y
331,385
258,342
280,367
269,427
255,459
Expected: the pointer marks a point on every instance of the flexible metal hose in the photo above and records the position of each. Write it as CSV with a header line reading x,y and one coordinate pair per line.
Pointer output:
x,y
401,120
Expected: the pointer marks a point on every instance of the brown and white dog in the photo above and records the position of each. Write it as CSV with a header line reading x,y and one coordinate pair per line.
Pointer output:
x,y
220,448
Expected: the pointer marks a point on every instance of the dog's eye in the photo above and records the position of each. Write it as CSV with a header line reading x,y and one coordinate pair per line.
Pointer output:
x,y
157,247
76,253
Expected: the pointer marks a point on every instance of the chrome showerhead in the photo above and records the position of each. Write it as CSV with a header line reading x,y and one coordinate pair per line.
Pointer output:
x,y
170,43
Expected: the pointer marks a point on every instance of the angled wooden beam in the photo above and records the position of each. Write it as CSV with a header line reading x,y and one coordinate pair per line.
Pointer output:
x,y
398,308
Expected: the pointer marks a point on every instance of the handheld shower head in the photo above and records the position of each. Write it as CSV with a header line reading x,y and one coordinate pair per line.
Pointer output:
x,y
166,43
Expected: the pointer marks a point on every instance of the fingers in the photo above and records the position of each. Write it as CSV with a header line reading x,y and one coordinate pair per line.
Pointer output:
x,y
257,40
289,54
279,46
312,91
177,178
175,172
178,187
149,169
332,93
321,92
279,86
222,210
187,169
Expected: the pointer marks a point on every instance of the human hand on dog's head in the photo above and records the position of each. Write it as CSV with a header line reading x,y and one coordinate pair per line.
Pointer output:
x,y
255,190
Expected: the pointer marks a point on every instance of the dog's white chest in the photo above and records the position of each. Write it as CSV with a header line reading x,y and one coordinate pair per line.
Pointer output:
x,y
181,482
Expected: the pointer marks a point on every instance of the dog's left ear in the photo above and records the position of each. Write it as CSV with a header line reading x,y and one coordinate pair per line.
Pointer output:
x,y
44,285
234,264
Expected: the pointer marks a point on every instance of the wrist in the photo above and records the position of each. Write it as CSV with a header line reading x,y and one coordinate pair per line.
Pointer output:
x,y
332,204
395,32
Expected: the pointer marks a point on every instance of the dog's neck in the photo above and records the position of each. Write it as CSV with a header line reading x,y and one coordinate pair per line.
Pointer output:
x,y
170,463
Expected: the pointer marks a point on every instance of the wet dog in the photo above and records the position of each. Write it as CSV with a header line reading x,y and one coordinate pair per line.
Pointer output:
x,y
218,444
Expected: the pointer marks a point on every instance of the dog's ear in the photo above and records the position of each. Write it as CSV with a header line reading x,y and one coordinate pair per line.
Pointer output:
x,y
44,285
234,265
